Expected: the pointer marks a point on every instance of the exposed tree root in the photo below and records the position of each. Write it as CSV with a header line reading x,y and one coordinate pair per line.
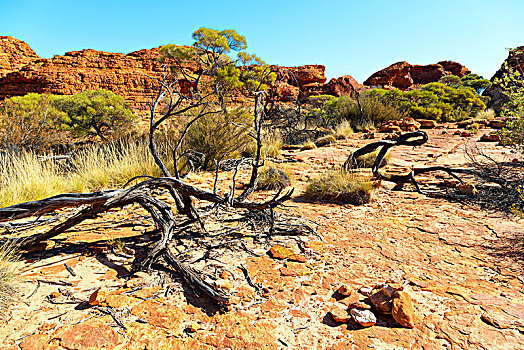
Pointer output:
x,y
415,138
142,194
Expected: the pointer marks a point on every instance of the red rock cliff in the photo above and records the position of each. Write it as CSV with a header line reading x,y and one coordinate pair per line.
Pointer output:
x,y
127,75
404,76
14,54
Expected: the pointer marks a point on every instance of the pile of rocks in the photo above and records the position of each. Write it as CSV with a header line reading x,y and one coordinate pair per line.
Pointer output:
x,y
361,307
397,126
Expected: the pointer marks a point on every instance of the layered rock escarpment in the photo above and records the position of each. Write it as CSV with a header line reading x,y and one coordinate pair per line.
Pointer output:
x,y
14,54
405,76
76,71
129,75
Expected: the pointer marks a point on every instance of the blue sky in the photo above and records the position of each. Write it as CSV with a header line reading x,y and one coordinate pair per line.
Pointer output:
x,y
348,37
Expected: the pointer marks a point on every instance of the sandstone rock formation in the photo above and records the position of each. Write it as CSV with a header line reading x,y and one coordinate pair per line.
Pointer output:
x,y
515,61
14,54
403,75
22,71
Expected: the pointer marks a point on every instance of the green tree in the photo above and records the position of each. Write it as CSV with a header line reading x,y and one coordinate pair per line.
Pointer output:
x,y
476,82
101,112
512,82
30,122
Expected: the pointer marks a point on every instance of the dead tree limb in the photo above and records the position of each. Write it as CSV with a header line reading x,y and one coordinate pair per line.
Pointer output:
x,y
415,138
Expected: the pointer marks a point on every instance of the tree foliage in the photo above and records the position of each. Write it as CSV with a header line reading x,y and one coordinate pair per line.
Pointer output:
x,y
30,122
512,82
94,112
434,101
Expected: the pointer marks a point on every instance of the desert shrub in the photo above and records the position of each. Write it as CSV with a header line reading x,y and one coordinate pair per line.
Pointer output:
x,y
270,178
451,80
343,130
325,140
473,127
99,113
476,82
23,177
220,136
512,83
307,145
30,123
433,101
345,108
272,144
8,275
112,164
340,186
487,114
367,160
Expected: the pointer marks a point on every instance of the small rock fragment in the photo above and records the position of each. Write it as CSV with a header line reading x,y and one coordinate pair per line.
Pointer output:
x,y
491,137
360,305
364,317
340,314
402,309
499,319
468,189
135,282
345,290
390,289
427,123
367,291
381,302
497,123
280,252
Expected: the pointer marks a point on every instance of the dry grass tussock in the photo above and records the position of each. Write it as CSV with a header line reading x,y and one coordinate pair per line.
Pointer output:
x,y
341,186
24,177
8,275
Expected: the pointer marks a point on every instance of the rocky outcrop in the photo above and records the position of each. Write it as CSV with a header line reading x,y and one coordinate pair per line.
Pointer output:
x,y
76,71
404,76
515,62
496,93
344,85
14,54
22,72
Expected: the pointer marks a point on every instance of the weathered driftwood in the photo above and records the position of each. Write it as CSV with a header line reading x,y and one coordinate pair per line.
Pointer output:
x,y
415,138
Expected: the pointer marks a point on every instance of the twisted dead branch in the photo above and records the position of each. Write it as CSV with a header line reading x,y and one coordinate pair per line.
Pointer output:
x,y
415,138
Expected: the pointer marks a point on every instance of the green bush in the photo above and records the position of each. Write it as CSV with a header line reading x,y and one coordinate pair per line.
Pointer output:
x,y
270,178
340,186
102,113
219,136
336,110
30,122
513,85
433,101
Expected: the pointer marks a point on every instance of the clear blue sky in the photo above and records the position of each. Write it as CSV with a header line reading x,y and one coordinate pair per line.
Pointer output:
x,y
348,37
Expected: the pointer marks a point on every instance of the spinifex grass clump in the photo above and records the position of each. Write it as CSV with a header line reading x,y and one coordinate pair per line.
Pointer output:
x,y
270,178
367,160
325,140
341,186
343,130
8,275
23,177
